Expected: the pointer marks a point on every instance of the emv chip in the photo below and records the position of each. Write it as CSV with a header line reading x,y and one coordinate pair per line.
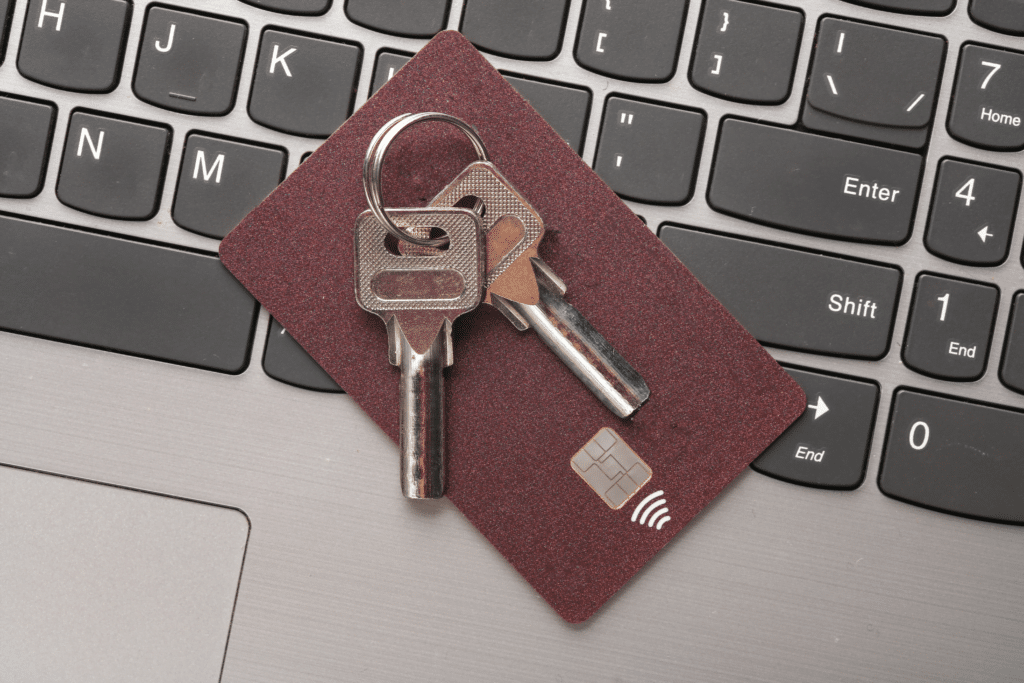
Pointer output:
x,y
611,468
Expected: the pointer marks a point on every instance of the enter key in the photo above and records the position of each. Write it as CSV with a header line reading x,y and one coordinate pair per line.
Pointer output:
x,y
828,446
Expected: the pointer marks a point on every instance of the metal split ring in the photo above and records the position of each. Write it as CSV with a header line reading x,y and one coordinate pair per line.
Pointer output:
x,y
373,166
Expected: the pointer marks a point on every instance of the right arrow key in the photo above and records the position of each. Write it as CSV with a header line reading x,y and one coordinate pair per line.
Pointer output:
x,y
828,446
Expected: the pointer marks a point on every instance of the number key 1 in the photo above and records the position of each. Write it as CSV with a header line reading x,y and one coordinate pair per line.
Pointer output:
x,y
950,327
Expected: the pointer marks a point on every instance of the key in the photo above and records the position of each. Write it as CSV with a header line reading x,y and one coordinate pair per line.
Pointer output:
x,y
564,107
418,296
1012,371
113,167
189,62
873,82
973,211
26,129
791,298
746,51
520,285
286,361
956,456
523,29
411,18
827,447
1005,16
292,6
988,104
950,328
303,85
74,45
120,295
649,152
636,40
220,181
811,183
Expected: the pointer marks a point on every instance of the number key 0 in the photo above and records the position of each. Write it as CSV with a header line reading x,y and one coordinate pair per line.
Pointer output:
x,y
950,327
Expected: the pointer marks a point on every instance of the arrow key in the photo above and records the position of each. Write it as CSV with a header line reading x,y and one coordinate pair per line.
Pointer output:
x,y
973,211
828,446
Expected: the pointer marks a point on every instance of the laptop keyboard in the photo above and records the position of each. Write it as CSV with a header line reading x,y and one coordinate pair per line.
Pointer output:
x,y
846,182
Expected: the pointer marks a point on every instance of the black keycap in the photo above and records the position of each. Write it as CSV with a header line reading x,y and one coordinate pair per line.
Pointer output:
x,y
113,167
74,45
795,299
1012,371
746,51
121,295
827,447
649,152
873,83
564,108
525,29
933,7
810,183
988,102
950,327
221,181
303,85
636,40
388,64
973,211
293,6
1005,16
6,12
413,18
287,362
955,456
26,129
189,62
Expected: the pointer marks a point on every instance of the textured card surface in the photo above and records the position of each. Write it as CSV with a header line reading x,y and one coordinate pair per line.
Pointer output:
x,y
575,498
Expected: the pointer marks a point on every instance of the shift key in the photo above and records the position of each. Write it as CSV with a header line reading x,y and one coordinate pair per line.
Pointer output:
x,y
814,184
794,299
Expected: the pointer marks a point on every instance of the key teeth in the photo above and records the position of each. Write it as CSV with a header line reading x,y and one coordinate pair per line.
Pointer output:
x,y
546,277
518,321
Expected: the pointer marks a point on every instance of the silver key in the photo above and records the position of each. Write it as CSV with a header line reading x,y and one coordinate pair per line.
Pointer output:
x,y
418,297
527,291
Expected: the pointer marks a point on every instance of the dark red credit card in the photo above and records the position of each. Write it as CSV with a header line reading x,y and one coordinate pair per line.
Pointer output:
x,y
574,497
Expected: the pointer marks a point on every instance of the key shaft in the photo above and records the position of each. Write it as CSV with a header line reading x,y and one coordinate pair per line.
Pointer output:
x,y
520,285
418,296
581,347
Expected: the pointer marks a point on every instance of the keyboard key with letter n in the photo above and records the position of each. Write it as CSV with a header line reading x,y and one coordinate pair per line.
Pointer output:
x,y
121,295
814,184
794,299
958,457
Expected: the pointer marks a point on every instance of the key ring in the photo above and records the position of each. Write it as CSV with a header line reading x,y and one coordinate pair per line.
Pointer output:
x,y
373,166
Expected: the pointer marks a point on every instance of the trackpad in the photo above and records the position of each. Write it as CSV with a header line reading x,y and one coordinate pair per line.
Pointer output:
x,y
99,583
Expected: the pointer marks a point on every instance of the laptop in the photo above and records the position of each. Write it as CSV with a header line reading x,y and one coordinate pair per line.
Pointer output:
x,y
186,496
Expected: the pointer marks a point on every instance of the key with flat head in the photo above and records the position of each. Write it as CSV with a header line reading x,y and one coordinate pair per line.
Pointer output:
x,y
419,296
520,285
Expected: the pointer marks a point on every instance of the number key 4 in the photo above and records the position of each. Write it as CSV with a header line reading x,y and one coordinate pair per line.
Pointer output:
x,y
972,214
